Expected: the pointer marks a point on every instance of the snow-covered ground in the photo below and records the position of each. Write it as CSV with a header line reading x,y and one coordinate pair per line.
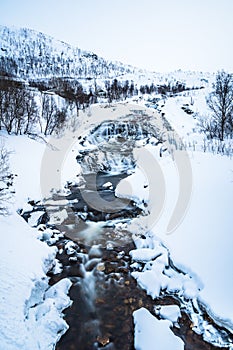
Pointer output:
x,y
201,244
30,310
150,332
203,241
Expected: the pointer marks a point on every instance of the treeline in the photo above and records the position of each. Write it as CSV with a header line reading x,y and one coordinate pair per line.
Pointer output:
x,y
48,66
48,104
172,89
69,89
23,110
116,90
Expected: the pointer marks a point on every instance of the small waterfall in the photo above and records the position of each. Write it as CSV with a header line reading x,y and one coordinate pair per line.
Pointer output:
x,y
123,130
109,147
88,290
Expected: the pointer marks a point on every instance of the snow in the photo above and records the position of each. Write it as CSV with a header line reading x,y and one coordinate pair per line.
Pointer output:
x,y
58,217
151,333
25,162
134,186
169,312
145,254
34,217
70,247
203,242
155,275
108,185
30,310
64,59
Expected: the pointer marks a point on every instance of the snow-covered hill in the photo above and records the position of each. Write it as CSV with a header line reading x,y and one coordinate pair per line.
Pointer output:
x,y
28,54
25,53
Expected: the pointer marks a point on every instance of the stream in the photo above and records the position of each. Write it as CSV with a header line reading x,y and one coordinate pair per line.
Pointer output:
x,y
95,250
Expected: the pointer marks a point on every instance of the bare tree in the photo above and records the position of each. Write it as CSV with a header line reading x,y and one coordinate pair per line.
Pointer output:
x,y
53,117
220,102
7,109
6,180
18,109
58,122
18,100
48,112
31,112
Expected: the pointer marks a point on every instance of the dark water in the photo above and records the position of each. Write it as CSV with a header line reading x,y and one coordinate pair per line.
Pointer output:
x,y
104,301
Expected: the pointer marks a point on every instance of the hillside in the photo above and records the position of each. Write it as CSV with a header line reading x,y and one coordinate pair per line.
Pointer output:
x,y
28,54
25,53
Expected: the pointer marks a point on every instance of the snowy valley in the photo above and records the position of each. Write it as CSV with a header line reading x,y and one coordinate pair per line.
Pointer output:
x,y
117,215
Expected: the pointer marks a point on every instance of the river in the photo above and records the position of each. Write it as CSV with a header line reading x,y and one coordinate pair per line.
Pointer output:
x,y
99,236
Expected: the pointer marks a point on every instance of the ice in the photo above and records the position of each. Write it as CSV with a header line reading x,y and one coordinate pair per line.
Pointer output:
x,y
151,333
70,247
169,312
34,218
108,185
151,282
58,294
145,254
58,217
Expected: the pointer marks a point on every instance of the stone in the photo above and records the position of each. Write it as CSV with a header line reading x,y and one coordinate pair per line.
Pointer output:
x,y
103,340
100,267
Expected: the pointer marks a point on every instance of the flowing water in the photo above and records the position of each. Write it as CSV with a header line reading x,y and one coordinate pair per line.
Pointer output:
x,y
94,252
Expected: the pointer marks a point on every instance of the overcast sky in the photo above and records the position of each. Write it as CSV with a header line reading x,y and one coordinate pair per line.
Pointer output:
x,y
159,35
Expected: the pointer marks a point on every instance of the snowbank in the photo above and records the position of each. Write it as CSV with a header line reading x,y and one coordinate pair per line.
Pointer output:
x,y
203,242
30,311
151,333
201,245
154,274
25,163
169,312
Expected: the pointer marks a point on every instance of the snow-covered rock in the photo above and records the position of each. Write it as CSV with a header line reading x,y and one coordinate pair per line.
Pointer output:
x,y
168,312
151,333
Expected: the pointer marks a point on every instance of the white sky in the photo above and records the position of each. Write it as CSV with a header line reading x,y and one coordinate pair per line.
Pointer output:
x,y
160,35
